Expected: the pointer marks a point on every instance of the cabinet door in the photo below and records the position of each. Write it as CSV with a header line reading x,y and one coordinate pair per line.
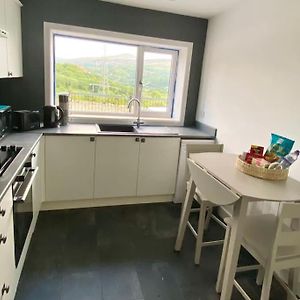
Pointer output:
x,y
3,58
158,166
116,166
3,42
14,40
2,15
69,166
7,257
38,186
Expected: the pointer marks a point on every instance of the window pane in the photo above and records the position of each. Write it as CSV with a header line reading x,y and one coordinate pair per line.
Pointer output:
x,y
156,82
99,76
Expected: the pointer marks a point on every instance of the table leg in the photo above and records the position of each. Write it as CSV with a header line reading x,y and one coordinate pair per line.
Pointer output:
x,y
219,283
238,217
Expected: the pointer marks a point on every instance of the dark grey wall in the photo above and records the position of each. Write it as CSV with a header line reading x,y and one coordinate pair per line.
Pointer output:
x,y
28,92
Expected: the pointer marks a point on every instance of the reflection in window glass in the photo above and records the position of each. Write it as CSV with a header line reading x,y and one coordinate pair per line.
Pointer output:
x,y
99,76
156,82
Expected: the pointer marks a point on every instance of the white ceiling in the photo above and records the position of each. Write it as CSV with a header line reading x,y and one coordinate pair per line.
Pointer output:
x,y
195,8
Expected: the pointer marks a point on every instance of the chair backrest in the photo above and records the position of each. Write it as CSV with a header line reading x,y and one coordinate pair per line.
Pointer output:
x,y
287,234
210,187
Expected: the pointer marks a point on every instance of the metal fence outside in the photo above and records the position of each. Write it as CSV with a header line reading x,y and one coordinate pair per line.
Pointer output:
x,y
99,103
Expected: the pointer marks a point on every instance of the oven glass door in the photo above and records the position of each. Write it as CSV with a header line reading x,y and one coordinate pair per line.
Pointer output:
x,y
23,213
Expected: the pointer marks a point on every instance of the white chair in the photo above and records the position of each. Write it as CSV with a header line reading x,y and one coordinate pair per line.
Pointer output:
x,y
273,243
201,187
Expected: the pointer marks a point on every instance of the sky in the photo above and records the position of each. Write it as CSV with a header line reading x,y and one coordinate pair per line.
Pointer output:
x,y
68,47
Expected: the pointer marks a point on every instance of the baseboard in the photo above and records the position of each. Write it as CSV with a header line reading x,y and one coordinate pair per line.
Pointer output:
x,y
69,204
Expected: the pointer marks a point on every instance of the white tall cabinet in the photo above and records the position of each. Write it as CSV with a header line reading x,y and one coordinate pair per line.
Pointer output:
x,y
3,41
14,41
69,166
10,39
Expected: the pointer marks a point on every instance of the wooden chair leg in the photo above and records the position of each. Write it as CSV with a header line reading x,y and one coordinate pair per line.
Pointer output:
x,y
223,261
265,292
200,231
208,216
260,276
185,215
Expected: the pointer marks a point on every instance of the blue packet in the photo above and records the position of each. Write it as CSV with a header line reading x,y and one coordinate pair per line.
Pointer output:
x,y
280,146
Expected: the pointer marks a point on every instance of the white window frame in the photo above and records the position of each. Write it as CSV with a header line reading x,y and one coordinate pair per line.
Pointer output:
x,y
182,77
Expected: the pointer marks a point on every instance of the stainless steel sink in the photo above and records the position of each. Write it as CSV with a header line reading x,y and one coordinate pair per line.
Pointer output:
x,y
115,128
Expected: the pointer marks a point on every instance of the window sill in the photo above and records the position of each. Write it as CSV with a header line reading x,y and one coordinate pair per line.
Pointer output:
x,y
91,119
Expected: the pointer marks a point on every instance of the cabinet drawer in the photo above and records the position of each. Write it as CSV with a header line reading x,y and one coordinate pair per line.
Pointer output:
x,y
5,211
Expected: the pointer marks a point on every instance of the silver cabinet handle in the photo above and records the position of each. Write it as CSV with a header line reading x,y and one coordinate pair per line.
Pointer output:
x,y
24,189
3,239
5,289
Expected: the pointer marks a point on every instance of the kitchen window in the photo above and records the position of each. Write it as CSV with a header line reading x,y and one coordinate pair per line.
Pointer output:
x,y
103,71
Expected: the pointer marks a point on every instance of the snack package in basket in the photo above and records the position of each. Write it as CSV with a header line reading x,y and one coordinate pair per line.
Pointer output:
x,y
280,146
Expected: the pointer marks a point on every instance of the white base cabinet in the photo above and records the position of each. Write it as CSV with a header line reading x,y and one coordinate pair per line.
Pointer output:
x,y
135,166
7,250
38,187
69,167
116,166
187,147
106,167
158,162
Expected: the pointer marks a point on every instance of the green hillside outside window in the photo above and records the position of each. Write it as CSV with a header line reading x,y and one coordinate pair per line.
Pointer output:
x,y
102,76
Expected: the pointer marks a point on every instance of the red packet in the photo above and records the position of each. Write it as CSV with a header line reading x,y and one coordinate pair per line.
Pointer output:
x,y
248,158
257,151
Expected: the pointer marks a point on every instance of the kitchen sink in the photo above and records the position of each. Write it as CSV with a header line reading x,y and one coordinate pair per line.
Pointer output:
x,y
116,128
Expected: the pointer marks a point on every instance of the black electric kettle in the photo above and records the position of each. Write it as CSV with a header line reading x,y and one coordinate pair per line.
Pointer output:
x,y
52,116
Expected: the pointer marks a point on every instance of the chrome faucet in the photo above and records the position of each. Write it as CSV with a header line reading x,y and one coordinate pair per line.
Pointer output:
x,y
138,121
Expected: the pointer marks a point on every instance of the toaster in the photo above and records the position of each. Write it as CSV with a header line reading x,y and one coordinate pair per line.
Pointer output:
x,y
26,120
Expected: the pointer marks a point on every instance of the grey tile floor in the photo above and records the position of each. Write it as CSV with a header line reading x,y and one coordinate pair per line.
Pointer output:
x,y
122,253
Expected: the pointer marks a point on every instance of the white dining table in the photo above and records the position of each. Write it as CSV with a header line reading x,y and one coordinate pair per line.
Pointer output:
x,y
222,167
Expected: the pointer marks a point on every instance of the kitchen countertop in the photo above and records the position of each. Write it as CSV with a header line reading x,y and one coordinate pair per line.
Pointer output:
x,y
164,131
28,141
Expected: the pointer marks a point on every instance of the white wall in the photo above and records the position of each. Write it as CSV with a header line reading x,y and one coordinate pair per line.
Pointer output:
x,y
251,76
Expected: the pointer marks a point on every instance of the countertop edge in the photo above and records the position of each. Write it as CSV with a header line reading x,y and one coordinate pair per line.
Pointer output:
x,y
17,164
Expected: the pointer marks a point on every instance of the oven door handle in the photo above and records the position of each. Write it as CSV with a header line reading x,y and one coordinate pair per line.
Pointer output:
x,y
24,189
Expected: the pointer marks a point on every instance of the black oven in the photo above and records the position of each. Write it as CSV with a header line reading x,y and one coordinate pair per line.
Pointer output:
x,y
22,206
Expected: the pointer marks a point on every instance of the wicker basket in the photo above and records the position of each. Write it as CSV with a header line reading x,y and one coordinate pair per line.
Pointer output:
x,y
260,172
